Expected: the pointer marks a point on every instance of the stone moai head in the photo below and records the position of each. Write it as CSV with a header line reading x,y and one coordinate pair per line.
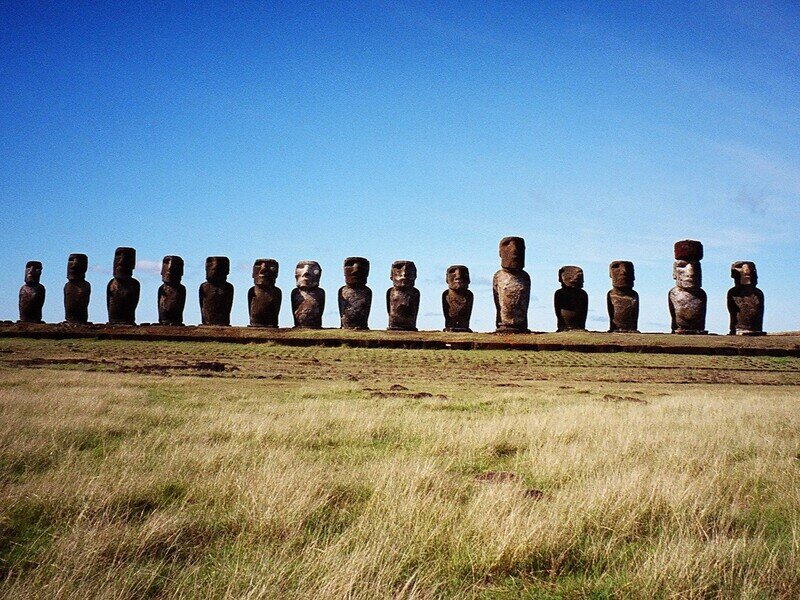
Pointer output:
x,y
512,253
457,277
686,270
307,274
622,274
217,269
172,269
77,265
404,274
356,271
33,272
744,273
571,277
265,272
124,263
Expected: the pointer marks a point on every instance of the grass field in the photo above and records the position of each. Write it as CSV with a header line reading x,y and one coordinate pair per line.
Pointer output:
x,y
134,469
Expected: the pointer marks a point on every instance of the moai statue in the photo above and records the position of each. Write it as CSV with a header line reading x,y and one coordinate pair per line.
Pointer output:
x,y
745,300
402,299
355,298
512,287
622,300
571,302
31,294
171,294
77,291
687,300
264,299
216,292
122,292
308,299
457,300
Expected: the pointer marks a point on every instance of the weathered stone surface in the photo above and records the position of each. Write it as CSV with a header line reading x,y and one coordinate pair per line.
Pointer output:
x,y
31,294
457,299
122,292
264,299
77,291
622,299
512,287
216,293
402,299
687,300
745,300
171,294
355,298
571,302
308,299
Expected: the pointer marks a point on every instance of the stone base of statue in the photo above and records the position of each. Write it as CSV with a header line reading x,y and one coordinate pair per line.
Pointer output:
x,y
747,332
458,329
624,331
509,329
259,326
680,331
399,328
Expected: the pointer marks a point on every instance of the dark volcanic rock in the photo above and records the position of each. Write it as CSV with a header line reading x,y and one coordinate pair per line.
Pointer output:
x,y
77,290
571,302
622,300
264,299
457,300
402,299
687,300
308,299
745,300
512,287
171,294
122,292
355,298
216,293
31,294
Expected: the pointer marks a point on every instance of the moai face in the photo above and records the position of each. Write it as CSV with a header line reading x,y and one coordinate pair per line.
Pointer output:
x,y
307,274
458,277
265,272
217,269
356,271
622,275
687,274
571,277
512,253
124,263
404,274
744,273
33,272
77,264
172,269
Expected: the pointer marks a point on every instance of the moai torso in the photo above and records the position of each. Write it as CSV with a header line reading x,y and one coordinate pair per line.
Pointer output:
x,y
31,294
402,305
511,287
171,302
264,305
745,300
76,301
216,301
308,306
355,298
571,307
457,308
623,310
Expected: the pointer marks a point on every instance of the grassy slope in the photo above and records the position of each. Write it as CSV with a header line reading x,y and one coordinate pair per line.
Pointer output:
x,y
314,473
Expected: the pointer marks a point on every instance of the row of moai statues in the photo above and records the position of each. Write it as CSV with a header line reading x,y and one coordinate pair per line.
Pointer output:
x,y
511,289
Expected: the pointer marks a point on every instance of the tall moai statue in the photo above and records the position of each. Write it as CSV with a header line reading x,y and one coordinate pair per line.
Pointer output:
x,y
308,299
264,299
402,299
457,300
622,299
122,292
571,301
172,293
512,287
687,300
216,292
355,298
31,294
745,300
77,290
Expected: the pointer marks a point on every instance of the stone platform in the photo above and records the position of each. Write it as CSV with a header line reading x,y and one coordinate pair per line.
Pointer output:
x,y
781,344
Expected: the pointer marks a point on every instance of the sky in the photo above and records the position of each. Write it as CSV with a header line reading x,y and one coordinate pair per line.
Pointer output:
x,y
421,131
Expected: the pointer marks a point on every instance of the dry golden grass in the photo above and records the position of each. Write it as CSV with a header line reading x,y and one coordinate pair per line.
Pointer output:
x,y
128,485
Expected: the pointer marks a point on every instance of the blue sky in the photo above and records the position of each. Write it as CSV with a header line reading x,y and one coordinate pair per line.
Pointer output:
x,y
403,130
